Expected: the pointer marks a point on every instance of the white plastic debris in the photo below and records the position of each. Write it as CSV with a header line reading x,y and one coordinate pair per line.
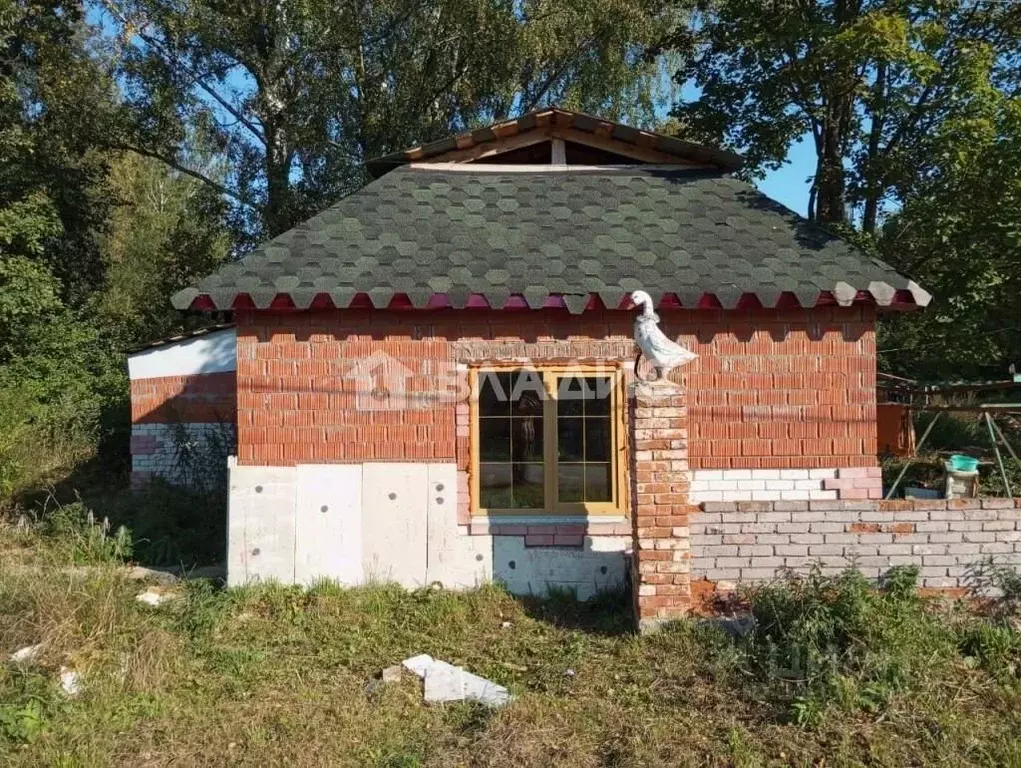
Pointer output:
x,y
418,664
70,681
27,654
154,598
445,682
506,625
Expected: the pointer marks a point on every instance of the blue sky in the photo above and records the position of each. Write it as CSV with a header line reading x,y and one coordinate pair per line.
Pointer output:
x,y
788,184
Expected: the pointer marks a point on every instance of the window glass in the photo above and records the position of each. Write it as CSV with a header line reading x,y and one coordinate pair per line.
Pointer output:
x,y
516,463
511,456
583,439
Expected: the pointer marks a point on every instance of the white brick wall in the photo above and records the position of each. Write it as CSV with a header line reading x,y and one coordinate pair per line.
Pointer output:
x,y
761,485
156,449
750,542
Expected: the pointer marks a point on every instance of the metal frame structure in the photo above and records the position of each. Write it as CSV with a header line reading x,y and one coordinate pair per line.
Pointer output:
x,y
995,432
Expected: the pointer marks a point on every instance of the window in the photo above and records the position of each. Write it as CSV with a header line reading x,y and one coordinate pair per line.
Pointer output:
x,y
547,441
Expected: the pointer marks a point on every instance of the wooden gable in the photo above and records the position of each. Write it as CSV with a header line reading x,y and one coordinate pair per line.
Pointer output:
x,y
553,140
561,138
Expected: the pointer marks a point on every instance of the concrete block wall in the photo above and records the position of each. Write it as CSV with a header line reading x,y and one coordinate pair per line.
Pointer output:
x,y
750,542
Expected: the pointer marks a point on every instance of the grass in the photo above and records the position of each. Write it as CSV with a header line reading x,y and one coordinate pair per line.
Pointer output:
x,y
277,676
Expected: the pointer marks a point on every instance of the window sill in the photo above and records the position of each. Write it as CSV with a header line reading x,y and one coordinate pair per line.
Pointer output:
x,y
546,530
547,519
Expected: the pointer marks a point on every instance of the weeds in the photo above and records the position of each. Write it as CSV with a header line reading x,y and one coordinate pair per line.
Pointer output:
x,y
841,641
85,540
269,675
1001,583
200,461
173,525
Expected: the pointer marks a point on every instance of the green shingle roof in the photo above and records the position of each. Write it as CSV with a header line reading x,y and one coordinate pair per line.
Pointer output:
x,y
533,233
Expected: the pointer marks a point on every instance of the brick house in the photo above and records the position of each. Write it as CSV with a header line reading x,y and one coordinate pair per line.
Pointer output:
x,y
183,399
435,376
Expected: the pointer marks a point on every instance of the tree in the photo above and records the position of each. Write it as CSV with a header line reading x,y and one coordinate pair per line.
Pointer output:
x,y
87,258
959,233
55,101
295,96
869,82
165,231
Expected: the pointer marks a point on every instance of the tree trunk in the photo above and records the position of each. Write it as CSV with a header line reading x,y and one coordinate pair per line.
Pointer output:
x,y
872,161
277,213
830,182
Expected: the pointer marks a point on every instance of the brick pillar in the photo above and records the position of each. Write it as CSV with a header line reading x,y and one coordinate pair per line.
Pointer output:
x,y
661,574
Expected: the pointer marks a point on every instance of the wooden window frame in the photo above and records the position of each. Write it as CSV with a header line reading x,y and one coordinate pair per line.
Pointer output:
x,y
550,374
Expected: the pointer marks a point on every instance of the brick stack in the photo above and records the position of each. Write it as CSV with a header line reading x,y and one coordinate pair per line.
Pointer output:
x,y
662,571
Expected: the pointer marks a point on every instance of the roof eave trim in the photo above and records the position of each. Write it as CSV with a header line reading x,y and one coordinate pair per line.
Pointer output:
x,y
886,298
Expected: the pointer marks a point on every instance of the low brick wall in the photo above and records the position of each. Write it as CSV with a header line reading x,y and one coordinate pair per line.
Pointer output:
x,y
157,451
750,541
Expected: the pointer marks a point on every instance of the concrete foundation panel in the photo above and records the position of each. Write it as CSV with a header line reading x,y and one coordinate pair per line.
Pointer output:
x,y
328,525
454,560
395,522
260,544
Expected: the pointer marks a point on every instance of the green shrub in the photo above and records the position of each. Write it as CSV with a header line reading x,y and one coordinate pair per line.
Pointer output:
x,y
956,432
994,647
22,722
989,580
842,640
27,707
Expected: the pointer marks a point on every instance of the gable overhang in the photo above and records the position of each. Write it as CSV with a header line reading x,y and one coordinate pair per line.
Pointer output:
x,y
553,123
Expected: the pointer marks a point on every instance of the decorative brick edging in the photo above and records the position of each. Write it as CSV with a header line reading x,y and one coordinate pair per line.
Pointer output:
x,y
750,541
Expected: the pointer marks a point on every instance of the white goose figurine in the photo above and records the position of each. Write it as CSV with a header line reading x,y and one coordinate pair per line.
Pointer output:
x,y
664,353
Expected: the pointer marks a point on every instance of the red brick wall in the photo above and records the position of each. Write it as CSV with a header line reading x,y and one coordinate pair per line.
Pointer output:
x,y
791,388
193,399
782,389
